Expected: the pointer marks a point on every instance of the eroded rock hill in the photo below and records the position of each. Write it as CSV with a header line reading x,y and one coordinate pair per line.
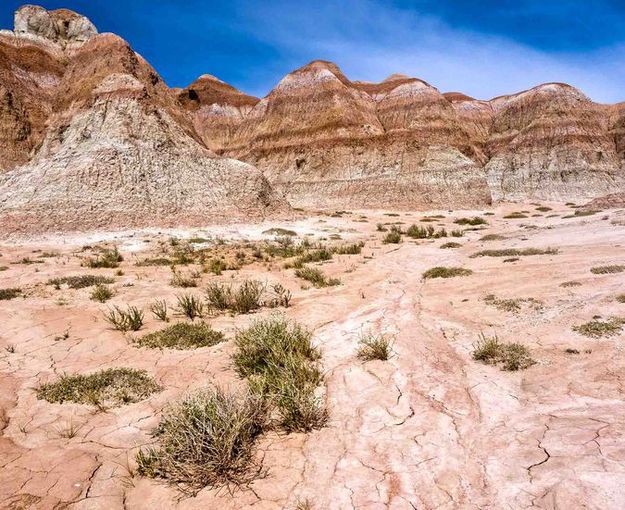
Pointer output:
x,y
92,137
322,139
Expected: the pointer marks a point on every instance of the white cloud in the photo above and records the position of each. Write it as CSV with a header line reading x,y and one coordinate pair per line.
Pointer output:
x,y
370,40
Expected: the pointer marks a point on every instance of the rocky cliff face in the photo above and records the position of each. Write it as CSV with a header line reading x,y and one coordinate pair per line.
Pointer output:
x,y
94,138
323,140
91,136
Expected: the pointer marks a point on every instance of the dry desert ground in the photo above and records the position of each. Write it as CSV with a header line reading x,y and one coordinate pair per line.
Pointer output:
x,y
502,389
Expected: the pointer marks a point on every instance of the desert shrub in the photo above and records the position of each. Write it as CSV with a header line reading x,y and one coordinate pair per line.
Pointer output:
x,y
183,281
511,356
110,387
130,319
278,231
380,227
512,305
159,309
101,293
349,249
243,299
543,209
597,328
11,293
515,216
155,261
316,277
607,269
457,233
191,306
281,297
429,232
570,284
445,246
217,266
372,346
80,282
580,213
206,440
106,258
182,336
446,272
621,298
281,364
393,237
512,259
476,220
492,237
515,252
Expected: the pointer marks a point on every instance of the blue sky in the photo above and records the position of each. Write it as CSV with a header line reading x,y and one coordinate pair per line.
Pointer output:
x,y
482,48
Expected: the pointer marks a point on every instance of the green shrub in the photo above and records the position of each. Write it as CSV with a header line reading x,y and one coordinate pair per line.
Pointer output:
x,y
206,440
373,347
6,294
279,361
182,336
243,299
419,232
393,237
110,387
511,356
80,282
316,277
101,293
106,258
446,272
130,319
190,306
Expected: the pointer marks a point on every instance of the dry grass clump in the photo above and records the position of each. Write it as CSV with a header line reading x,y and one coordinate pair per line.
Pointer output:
x,y
349,249
318,255
81,281
243,299
492,237
281,297
184,281
316,277
372,346
281,365
106,388
189,305
130,319
393,237
512,356
451,244
206,440
12,293
620,298
597,328
446,272
571,283
515,216
513,305
159,309
279,231
101,293
476,220
543,208
607,269
106,258
580,213
182,336
429,232
515,252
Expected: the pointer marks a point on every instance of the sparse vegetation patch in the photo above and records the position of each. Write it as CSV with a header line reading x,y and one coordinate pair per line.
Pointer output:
x,y
510,356
12,293
513,305
81,281
597,328
607,269
476,220
446,272
182,335
372,346
515,252
106,388
316,277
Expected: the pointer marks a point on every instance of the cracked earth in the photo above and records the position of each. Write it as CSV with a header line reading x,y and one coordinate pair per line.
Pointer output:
x,y
428,429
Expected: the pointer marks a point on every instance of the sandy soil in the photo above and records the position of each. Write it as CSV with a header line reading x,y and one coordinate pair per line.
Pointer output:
x,y
429,428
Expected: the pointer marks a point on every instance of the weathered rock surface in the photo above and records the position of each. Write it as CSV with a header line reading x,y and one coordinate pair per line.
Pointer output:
x,y
94,138
323,140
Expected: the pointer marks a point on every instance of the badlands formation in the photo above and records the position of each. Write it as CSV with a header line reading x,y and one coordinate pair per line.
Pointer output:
x,y
344,295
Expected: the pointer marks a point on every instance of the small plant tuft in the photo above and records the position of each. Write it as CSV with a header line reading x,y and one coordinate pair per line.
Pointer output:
x,y
446,272
372,346
130,319
511,356
182,336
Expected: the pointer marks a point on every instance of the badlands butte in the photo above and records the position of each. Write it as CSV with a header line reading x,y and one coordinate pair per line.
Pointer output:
x,y
341,296
91,136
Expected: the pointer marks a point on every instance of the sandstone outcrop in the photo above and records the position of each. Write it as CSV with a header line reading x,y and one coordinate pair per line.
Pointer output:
x,y
96,139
